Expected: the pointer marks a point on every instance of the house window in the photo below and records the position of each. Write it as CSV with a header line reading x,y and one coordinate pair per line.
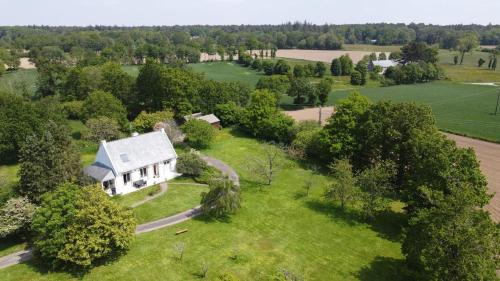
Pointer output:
x,y
144,172
156,170
126,178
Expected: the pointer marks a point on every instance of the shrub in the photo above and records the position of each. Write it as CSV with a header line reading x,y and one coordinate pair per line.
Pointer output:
x,y
281,67
336,67
102,128
80,227
73,109
199,133
228,113
16,216
223,198
208,174
145,122
268,67
191,164
356,78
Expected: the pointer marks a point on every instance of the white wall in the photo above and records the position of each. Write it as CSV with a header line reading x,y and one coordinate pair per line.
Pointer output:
x,y
166,172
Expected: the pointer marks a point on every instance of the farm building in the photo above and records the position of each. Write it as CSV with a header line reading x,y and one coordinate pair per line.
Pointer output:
x,y
384,64
210,118
128,164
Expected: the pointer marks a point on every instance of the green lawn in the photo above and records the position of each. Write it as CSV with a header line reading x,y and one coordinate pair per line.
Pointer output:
x,y
469,70
227,72
19,81
459,108
177,199
276,229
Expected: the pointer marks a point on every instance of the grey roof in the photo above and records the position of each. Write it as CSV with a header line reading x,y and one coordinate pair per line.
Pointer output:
x,y
385,63
210,118
139,151
99,172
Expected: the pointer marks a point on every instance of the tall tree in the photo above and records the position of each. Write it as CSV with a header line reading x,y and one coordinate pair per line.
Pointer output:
x,y
269,164
323,89
343,188
467,43
46,161
336,67
452,241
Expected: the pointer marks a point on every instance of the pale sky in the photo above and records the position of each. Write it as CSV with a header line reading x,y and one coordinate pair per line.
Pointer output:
x,y
186,12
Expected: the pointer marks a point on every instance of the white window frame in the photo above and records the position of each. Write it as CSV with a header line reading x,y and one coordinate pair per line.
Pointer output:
x,y
126,177
144,172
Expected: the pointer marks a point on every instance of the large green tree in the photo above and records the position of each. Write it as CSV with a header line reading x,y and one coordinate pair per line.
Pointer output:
x,y
467,43
199,133
47,160
80,227
343,188
453,240
100,103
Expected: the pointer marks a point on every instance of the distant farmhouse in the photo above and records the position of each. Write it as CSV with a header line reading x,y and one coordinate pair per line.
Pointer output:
x,y
384,64
210,118
128,164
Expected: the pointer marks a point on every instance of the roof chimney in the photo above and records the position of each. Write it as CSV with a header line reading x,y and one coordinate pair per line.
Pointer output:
x,y
135,134
162,130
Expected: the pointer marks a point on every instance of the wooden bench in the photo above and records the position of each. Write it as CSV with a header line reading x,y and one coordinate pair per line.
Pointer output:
x,y
180,231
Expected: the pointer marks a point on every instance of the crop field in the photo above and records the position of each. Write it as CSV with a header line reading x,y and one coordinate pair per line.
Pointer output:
x,y
459,108
370,48
321,55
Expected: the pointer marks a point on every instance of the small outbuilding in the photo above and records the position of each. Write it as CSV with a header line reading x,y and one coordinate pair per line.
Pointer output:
x,y
384,64
210,118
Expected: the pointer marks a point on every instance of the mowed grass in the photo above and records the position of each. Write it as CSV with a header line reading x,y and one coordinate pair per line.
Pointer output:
x,y
469,71
276,229
177,199
459,108
227,72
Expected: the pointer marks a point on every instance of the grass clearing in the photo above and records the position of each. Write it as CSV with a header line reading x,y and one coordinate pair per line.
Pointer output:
x,y
227,72
277,228
459,108
19,81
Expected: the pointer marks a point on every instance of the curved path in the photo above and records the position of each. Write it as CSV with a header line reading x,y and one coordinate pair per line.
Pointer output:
x,y
25,255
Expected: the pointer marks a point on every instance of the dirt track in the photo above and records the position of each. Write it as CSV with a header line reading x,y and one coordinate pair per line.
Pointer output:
x,y
487,153
311,114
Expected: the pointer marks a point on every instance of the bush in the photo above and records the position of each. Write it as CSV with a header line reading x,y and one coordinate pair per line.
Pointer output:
x,y
336,67
191,164
257,65
102,128
16,216
199,133
356,78
80,227
208,174
281,67
145,122
223,198
73,109
228,113
268,67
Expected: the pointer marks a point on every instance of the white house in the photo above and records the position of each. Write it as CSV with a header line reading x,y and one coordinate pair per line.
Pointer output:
x,y
128,164
384,64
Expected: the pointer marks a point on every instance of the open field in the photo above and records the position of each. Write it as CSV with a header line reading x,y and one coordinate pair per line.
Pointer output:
x,y
371,48
321,55
276,229
227,71
460,108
